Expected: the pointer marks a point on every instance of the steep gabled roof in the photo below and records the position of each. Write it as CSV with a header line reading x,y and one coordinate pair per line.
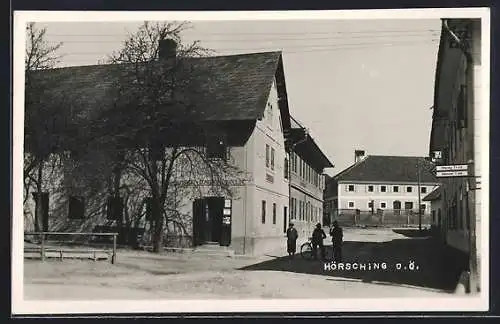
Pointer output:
x,y
240,89
376,168
433,195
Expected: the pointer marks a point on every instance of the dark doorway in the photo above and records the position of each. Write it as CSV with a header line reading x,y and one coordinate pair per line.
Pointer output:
x,y
207,220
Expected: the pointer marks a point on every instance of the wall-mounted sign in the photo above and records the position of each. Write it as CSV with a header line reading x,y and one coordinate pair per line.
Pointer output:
x,y
452,167
446,174
226,220
227,211
227,203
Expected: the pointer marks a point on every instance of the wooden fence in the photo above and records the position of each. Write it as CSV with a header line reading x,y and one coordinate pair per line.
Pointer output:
x,y
51,242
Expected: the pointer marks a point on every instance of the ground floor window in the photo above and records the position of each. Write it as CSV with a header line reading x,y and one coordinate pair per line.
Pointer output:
x,y
263,212
274,213
76,208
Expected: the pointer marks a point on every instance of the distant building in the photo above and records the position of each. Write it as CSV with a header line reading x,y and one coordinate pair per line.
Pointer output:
x,y
436,201
455,135
381,190
307,163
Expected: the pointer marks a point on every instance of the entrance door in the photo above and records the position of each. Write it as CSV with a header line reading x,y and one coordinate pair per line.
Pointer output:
x,y
198,222
215,206
207,220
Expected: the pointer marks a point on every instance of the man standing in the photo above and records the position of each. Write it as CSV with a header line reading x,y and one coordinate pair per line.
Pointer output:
x,y
318,236
337,238
291,242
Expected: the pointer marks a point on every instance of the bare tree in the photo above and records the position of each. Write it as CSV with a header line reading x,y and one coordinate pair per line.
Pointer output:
x,y
155,121
44,118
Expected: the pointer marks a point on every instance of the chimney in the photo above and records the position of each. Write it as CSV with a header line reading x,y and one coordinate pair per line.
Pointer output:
x,y
167,49
358,155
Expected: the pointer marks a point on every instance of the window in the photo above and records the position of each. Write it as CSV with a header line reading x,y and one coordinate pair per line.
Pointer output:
x,y
216,148
370,204
272,158
370,188
423,190
295,208
267,156
114,208
263,211
274,213
408,205
76,207
396,205
383,188
286,168
395,189
422,208
295,158
350,188
351,204
383,205
462,107
409,189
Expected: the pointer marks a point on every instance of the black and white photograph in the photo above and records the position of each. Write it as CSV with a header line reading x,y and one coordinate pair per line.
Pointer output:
x,y
191,162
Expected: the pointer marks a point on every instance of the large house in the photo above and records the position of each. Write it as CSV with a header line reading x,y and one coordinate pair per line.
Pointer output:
x,y
250,113
307,163
381,190
454,137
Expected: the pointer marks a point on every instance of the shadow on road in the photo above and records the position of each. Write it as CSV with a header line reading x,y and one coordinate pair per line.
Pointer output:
x,y
411,232
432,268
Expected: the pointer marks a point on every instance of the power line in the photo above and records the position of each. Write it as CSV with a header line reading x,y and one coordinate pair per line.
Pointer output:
x,y
208,40
394,31
307,47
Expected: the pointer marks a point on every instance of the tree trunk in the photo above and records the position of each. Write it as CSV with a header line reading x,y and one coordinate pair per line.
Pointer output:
x,y
158,226
157,213
38,200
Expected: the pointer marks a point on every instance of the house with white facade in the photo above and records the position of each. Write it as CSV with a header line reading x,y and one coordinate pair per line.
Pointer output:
x,y
250,115
307,164
381,190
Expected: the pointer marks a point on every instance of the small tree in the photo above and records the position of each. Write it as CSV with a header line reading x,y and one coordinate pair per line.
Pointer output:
x,y
155,120
45,118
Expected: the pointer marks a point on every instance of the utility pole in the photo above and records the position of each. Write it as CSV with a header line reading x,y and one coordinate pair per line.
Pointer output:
x,y
419,197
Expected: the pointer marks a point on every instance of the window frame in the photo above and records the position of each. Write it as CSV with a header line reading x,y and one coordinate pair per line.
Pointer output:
x,y
263,211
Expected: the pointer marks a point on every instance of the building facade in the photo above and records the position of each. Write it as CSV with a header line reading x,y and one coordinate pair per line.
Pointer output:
x,y
436,202
252,118
381,190
307,182
454,139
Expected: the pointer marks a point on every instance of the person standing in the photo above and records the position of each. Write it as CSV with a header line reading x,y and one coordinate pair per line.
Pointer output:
x,y
337,238
291,240
318,236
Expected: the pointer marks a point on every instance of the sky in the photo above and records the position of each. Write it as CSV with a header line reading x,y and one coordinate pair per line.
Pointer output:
x,y
356,84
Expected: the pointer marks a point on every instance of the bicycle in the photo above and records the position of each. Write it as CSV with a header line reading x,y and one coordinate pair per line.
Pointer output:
x,y
306,250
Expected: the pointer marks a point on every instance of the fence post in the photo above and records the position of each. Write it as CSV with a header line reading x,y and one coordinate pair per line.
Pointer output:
x,y
42,250
113,257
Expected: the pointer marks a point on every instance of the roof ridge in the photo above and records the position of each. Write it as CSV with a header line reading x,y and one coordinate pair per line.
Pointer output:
x,y
191,58
351,166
